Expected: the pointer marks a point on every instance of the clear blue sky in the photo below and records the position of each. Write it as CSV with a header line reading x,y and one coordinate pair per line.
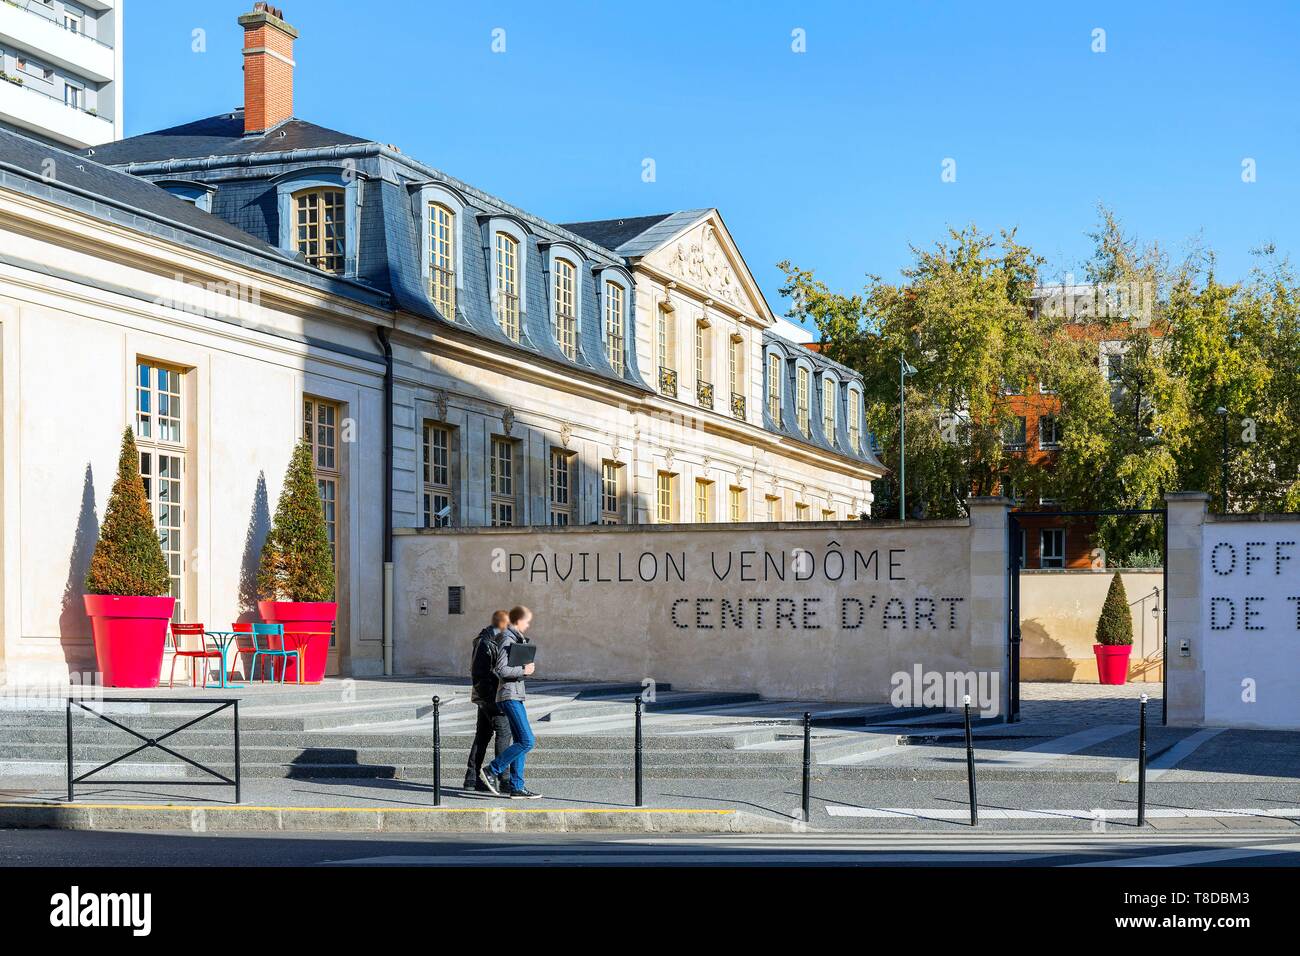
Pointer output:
x,y
832,157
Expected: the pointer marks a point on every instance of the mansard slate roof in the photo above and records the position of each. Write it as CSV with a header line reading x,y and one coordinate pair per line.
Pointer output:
x,y
246,171
637,235
79,183
788,426
218,136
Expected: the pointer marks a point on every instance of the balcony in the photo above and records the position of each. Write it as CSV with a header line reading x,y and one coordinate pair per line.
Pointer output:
x,y
738,405
668,381
29,108
29,26
704,393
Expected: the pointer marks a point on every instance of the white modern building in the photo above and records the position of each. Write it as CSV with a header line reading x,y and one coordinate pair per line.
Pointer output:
x,y
61,70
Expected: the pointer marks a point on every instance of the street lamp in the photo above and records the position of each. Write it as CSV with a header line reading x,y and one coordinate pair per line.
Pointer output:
x,y
904,370
1223,471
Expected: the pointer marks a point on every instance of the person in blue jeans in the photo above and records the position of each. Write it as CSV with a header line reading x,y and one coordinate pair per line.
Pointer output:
x,y
510,698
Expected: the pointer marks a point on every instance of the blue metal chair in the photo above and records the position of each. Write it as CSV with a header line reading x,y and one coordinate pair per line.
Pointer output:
x,y
268,643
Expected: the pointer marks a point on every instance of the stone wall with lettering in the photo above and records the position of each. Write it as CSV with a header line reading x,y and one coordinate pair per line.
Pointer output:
x,y
1251,623
826,611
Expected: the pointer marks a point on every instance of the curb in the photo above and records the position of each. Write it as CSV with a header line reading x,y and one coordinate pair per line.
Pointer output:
x,y
200,819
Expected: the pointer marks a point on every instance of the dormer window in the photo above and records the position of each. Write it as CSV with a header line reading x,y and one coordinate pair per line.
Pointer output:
x,y
320,227
802,385
615,326
198,195
566,297
442,259
507,273
855,420
828,409
774,389
318,216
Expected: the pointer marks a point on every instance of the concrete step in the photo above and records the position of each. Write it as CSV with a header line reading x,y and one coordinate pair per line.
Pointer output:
x,y
825,748
664,702
317,755
453,775
51,741
127,770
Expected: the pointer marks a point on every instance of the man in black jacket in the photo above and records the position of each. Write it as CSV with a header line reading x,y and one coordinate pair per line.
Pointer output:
x,y
510,698
483,692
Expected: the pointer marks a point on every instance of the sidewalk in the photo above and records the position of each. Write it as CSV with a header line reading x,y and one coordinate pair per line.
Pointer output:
x,y
358,756
681,806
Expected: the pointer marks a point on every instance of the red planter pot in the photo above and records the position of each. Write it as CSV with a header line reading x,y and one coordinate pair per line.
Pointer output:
x,y
1112,662
130,634
304,617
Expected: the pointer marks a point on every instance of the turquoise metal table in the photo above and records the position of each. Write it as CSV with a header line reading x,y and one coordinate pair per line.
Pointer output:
x,y
224,640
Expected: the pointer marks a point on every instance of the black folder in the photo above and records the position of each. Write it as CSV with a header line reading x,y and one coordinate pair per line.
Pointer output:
x,y
517,655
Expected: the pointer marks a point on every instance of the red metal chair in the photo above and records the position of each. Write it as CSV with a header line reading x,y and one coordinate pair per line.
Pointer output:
x,y
178,634
245,630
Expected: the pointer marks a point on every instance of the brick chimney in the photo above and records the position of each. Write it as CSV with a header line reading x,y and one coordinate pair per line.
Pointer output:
x,y
268,68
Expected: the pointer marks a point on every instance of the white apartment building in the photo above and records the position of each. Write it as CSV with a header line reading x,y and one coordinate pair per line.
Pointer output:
x,y
61,70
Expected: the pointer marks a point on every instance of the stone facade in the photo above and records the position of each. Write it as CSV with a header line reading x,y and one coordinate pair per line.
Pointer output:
x,y
832,611
96,296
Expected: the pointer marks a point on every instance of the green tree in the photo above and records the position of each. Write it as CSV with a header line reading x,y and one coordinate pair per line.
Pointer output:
x,y
1139,374
1123,416
297,562
128,558
1115,625
963,316
1236,347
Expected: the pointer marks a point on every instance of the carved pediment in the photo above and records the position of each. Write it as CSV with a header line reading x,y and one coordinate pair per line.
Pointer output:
x,y
700,258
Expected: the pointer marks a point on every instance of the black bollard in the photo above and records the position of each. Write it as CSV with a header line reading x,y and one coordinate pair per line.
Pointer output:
x,y
638,747
1142,762
807,764
437,756
237,768
970,764
69,726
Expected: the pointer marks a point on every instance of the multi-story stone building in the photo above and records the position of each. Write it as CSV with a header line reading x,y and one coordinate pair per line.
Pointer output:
x,y
611,371
61,70
453,359
121,305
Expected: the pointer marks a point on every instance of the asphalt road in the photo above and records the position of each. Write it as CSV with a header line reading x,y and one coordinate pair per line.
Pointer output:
x,y
67,848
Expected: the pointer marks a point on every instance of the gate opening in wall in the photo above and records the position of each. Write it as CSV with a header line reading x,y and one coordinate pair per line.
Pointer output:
x,y
1016,522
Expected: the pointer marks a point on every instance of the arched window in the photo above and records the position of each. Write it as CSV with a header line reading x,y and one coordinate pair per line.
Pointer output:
x,y
320,227
566,297
442,259
507,270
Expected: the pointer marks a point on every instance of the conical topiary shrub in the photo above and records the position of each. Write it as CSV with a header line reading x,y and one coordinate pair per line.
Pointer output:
x,y
297,563
1115,626
128,559
127,585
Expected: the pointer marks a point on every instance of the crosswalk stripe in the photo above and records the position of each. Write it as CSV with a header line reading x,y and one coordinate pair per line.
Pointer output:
x,y
995,813
1196,857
